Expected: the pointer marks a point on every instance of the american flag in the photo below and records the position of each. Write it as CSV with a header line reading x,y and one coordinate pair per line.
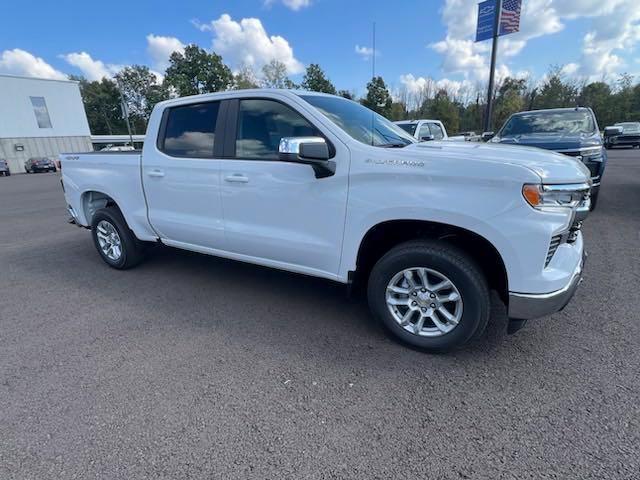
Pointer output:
x,y
510,16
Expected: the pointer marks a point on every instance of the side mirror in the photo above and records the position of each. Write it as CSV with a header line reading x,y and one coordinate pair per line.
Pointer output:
x,y
312,151
427,138
612,131
486,136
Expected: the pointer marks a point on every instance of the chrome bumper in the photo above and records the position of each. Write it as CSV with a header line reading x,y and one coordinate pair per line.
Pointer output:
x,y
527,306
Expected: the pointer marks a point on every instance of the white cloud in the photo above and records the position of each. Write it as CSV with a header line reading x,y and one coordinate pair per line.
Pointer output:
x,y
614,27
365,52
21,62
90,68
160,49
246,43
294,5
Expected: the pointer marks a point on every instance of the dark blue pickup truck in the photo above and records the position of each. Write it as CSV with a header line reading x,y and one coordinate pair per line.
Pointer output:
x,y
571,131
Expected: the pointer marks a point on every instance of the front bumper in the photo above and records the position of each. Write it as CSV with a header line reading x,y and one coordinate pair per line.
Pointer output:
x,y
527,306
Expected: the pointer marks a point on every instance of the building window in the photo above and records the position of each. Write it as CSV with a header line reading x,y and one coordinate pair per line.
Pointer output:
x,y
41,111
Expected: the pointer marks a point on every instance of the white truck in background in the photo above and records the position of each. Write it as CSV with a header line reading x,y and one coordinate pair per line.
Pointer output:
x,y
424,130
320,185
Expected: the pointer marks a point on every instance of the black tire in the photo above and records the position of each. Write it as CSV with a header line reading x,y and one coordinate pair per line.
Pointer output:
x,y
132,249
594,200
453,263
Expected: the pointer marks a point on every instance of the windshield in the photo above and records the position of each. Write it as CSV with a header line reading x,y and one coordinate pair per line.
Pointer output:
x,y
359,122
631,127
410,128
566,122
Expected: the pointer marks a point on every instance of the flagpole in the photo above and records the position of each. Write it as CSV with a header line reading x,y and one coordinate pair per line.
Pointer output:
x,y
492,71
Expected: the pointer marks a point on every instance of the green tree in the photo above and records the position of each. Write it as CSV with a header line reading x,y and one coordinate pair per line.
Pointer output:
x,y
509,100
378,98
597,95
442,108
245,79
346,94
141,92
315,80
196,71
274,75
555,92
102,105
398,111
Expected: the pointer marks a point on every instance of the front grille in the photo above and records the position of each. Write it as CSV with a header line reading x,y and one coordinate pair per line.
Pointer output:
x,y
556,240
628,138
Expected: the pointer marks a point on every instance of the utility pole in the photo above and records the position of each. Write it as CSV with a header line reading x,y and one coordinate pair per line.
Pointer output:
x,y
492,72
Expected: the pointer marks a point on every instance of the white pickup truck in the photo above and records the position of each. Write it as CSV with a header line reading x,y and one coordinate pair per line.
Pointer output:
x,y
320,185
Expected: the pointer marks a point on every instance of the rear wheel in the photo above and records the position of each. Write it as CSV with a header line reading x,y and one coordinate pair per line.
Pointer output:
x,y
115,242
429,294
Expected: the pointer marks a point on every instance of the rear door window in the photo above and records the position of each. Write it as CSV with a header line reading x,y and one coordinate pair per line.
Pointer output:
x,y
190,130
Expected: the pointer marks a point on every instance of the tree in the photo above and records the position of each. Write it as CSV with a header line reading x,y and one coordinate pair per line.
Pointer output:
x,y
443,109
597,95
274,75
245,78
555,92
346,94
378,98
102,105
195,71
315,80
141,92
509,99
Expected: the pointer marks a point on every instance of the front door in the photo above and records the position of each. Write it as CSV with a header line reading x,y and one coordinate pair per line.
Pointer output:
x,y
278,212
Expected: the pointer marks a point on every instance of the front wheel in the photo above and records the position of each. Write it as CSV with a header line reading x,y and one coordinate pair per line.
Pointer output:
x,y
115,242
430,295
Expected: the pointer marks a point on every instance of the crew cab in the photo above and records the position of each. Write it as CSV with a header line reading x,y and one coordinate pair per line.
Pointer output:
x,y
319,185
424,129
570,131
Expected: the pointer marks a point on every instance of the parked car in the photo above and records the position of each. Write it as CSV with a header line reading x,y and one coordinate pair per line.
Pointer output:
x,y
424,129
39,164
4,168
570,131
625,134
320,185
465,137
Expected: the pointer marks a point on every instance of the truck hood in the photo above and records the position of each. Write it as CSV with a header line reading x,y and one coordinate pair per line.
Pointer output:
x,y
552,141
551,167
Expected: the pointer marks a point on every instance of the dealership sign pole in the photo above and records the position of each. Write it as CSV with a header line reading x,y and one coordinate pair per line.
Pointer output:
x,y
496,18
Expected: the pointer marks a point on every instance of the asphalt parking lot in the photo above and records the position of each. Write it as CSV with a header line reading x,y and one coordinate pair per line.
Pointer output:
x,y
191,366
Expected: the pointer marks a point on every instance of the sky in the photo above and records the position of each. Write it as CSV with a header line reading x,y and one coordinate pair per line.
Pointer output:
x,y
415,39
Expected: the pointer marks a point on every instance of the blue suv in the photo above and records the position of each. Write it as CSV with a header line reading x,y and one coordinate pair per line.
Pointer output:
x,y
571,131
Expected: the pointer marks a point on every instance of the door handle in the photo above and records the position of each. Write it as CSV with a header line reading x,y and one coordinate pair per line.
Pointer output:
x,y
236,178
155,173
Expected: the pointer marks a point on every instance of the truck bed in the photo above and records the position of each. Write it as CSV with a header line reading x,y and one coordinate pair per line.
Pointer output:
x,y
115,175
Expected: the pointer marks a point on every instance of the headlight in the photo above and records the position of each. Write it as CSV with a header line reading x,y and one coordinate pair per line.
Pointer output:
x,y
592,154
553,197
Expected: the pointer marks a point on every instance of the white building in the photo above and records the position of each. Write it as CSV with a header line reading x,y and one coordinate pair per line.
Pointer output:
x,y
40,118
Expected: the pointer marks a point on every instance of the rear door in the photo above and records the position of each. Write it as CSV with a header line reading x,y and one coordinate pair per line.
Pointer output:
x,y
278,213
181,177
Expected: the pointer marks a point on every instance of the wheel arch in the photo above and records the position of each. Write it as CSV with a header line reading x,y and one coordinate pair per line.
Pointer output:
x,y
385,235
93,200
